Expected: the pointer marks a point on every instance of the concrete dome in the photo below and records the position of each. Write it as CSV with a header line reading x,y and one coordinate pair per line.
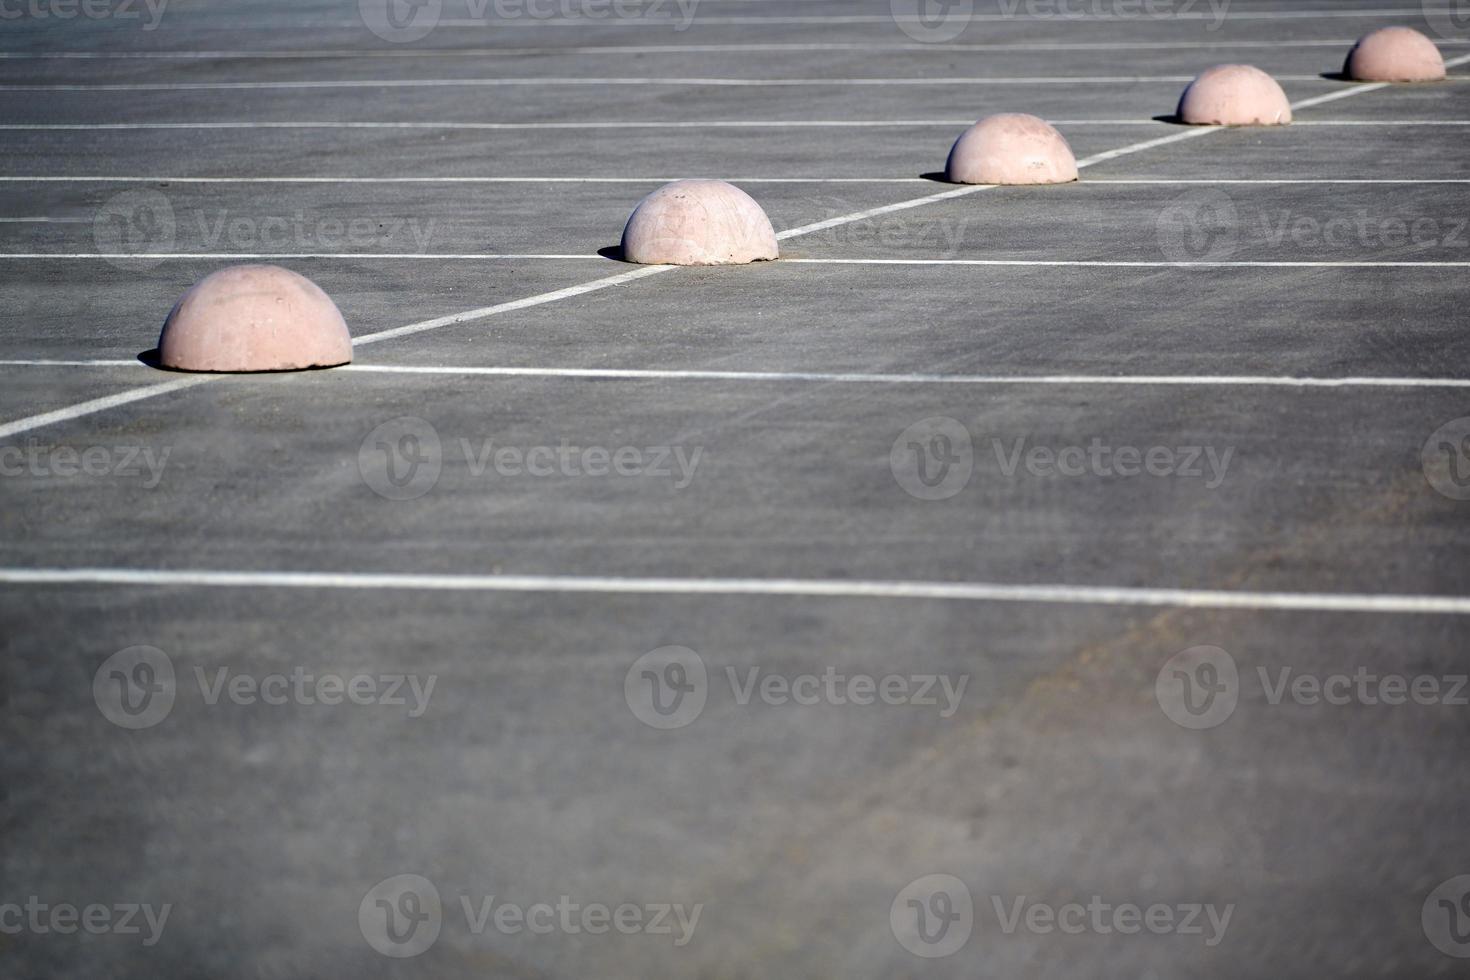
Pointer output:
x,y
1394,54
1011,148
1234,95
698,222
254,318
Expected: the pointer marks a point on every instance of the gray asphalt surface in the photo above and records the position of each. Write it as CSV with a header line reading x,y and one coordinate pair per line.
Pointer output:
x,y
1068,774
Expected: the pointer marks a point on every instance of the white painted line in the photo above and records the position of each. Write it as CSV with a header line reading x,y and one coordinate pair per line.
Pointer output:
x,y
1345,93
841,377
810,588
1121,264
656,49
1179,137
53,362
665,23
621,81
1091,181
1274,180
642,272
448,180
790,233
496,126
98,405
248,126
874,212
1381,122
850,377
255,256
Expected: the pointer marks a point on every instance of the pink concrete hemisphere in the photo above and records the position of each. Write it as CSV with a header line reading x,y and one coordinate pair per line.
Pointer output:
x,y
1234,95
1011,148
254,318
1394,54
698,222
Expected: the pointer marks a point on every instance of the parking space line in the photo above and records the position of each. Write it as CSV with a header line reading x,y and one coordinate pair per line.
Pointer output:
x,y
369,83
95,405
808,588
248,126
1089,182
803,230
839,377
656,49
1124,264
